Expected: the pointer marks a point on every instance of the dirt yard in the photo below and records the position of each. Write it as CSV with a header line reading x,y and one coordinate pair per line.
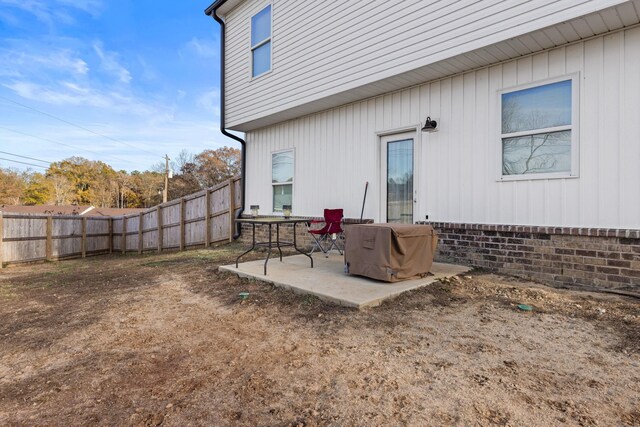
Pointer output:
x,y
166,340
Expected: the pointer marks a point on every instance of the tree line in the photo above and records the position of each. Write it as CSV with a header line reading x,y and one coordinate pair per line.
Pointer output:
x,y
80,181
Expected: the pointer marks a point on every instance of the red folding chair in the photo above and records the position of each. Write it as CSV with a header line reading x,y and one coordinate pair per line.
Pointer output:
x,y
327,237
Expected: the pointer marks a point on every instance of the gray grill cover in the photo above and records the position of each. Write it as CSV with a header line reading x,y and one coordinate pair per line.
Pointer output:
x,y
389,252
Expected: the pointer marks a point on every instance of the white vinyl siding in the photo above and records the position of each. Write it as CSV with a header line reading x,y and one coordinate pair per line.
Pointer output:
x,y
338,150
328,48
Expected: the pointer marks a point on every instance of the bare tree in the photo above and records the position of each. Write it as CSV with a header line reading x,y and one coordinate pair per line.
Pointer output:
x,y
62,189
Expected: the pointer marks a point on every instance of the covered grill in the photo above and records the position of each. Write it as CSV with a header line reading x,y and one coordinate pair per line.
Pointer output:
x,y
389,252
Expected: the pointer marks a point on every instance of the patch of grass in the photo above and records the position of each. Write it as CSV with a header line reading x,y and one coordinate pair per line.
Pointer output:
x,y
7,292
163,262
199,255
310,300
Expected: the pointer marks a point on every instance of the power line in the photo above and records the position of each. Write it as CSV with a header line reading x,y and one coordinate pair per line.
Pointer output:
x,y
66,145
23,163
25,157
77,126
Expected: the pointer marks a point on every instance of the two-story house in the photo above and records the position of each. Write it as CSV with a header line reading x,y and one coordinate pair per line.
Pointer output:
x,y
529,163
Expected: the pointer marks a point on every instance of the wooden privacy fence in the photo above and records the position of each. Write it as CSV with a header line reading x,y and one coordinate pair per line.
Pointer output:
x,y
199,219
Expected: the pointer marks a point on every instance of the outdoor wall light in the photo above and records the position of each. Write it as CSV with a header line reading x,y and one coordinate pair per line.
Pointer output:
x,y
254,210
430,125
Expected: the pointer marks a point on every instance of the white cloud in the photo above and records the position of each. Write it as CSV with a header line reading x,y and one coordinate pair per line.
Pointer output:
x,y
50,12
20,61
202,48
210,101
73,94
110,64
92,7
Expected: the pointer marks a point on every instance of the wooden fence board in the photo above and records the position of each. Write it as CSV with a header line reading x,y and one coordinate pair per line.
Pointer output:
x,y
2,240
198,219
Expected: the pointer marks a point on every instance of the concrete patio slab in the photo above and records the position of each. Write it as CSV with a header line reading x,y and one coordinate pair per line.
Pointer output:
x,y
327,279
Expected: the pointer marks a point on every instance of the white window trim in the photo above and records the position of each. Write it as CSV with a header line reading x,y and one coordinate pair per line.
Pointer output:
x,y
574,127
262,42
293,192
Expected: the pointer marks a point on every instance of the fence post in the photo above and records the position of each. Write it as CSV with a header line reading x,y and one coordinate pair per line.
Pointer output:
x,y
159,221
232,209
84,237
1,238
124,235
49,244
182,224
140,243
207,218
110,235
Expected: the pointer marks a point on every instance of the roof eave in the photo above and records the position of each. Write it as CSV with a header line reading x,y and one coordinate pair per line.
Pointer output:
x,y
221,7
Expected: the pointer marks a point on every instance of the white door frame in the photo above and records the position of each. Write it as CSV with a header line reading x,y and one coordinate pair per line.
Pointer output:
x,y
383,139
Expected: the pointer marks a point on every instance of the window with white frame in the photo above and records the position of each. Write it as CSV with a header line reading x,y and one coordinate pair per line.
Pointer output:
x,y
282,179
261,42
539,133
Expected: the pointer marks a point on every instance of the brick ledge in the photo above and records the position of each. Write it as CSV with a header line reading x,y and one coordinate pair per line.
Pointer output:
x,y
569,231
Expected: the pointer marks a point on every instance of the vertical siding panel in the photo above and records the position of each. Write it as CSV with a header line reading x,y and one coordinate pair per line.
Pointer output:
x,y
404,109
435,141
269,146
482,179
380,119
326,140
424,193
350,154
264,170
317,135
340,190
255,153
263,198
304,148
356,145
467,147
456,144
494,206
609,134
630,152
590,123
445,139
252,172
371,206
573,188
387,102
331,150
508,190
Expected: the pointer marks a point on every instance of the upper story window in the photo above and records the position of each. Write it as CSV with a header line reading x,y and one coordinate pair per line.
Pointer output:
x,y
282,179
539,130
261,42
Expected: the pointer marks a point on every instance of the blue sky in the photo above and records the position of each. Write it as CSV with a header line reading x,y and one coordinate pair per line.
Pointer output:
x,y
139,71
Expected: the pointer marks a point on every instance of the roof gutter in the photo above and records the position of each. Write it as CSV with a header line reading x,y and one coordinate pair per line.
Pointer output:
x,y
212,11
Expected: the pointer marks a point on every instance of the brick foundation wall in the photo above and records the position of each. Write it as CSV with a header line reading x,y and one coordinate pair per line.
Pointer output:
x,y
587,258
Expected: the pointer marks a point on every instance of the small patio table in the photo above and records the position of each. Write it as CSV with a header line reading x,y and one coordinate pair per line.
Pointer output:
x,y
270,222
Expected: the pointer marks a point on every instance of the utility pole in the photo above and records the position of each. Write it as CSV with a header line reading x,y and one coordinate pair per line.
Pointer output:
x,y
165,192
